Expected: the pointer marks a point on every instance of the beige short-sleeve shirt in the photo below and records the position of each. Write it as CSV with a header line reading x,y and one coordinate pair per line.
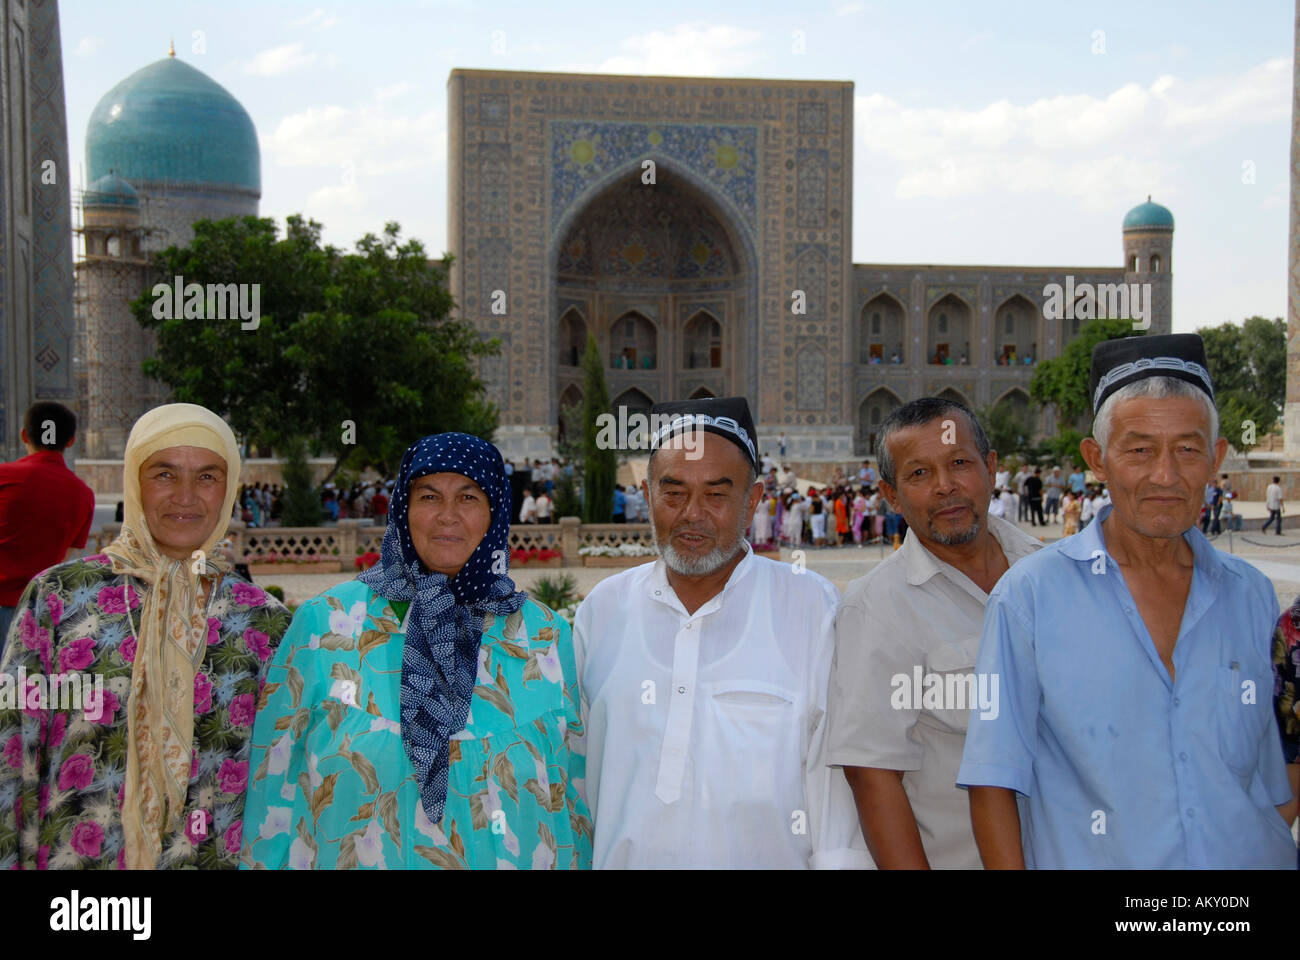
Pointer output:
x,y
911,616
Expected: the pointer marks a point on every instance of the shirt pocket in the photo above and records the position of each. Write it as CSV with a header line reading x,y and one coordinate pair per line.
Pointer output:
x,y
756,723
1243,702
953,663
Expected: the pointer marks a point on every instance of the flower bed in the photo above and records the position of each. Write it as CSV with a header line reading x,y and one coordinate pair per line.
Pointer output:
x,y
366,560
534,557
624,555
293,563
300,566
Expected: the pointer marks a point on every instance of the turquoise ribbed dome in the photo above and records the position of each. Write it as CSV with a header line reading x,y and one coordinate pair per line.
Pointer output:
x,y
169,121
1149,216
111,191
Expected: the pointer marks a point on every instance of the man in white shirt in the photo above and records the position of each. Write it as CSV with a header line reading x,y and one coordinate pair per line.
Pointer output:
x,y
543,508
1001,480
1087,509
1273,503
908,633
528,512
704,678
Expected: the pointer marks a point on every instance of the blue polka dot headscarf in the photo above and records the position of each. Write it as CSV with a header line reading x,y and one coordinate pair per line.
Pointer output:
x,y
445,626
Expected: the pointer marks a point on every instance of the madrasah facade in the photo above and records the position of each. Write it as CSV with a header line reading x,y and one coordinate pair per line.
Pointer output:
x,y
701,230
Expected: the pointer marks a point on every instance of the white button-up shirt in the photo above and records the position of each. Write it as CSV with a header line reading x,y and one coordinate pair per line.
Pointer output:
x,y
706,731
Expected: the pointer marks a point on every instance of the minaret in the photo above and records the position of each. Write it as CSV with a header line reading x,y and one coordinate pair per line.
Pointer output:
x,y
1291,413
1148,259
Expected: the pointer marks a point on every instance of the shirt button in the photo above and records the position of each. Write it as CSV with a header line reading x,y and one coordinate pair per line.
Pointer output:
x,y
1177,701
658,593
688,626
1191,811
681,689
1183,755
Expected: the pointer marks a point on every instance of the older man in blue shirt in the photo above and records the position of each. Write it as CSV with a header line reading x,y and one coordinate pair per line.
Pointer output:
x,y
1135,720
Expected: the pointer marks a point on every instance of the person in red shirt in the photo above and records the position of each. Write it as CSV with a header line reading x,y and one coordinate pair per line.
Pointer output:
x,y
379,504
44,508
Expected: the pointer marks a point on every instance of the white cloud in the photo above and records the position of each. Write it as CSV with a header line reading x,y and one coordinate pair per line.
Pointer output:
x,y
846,9
1102,151
87,46
688,49
318,18
278,61
394,90
351,161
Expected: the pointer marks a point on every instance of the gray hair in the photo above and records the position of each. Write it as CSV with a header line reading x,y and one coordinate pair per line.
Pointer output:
x,y
1152,387
917,413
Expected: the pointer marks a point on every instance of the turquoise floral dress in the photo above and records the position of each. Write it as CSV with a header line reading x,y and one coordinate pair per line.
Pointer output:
x,y
64,765
333,788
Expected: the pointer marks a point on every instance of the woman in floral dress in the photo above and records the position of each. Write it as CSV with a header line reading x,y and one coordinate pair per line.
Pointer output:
x,y
424,715
147,767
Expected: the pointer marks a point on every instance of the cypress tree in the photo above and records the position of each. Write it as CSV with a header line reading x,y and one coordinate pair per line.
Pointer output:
x,y
599,467
301,506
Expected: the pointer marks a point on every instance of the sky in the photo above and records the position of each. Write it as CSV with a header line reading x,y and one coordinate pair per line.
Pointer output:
x,y
992,133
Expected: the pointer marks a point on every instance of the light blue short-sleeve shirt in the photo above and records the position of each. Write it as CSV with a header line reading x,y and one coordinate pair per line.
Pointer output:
x,y
1121,766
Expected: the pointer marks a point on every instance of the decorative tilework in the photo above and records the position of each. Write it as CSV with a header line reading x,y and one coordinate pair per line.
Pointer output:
x,y
494,109
810,377
812,117
725,158
812,186
494,272
494,181
810,275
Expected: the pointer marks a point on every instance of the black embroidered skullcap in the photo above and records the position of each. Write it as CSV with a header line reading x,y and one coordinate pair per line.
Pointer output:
x,y
1117,363
726,416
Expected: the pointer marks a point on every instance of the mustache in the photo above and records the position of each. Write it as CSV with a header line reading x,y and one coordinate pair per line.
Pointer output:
x,y
949,504
693,528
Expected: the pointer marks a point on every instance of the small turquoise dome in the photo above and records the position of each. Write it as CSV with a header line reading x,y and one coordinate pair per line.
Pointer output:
x,y
111,191
169,121
1149,216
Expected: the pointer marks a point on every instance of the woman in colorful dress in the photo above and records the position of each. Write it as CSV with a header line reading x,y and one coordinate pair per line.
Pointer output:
x,y
1070,510
859,514
424,715
147,767
761,528
1286,700
841,518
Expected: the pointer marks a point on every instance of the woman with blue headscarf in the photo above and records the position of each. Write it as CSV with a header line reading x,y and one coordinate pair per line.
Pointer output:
x,y
425,714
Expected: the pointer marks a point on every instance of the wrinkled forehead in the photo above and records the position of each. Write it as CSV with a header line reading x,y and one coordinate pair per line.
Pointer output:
x,y
185,458
444,481
1172,416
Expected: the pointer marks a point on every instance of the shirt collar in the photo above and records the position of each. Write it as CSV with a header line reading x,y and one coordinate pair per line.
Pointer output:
x,y
922,564
50,456
1084,544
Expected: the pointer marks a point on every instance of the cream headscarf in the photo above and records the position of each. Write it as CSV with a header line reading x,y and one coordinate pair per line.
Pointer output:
x,y
172,627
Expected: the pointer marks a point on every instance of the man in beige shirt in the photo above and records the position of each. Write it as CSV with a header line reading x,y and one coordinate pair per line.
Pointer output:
x,y
907,634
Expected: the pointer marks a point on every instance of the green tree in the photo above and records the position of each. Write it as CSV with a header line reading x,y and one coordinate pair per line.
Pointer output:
x,y
1009,430
1248,366
357,353
1063,381
599,467
301,504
